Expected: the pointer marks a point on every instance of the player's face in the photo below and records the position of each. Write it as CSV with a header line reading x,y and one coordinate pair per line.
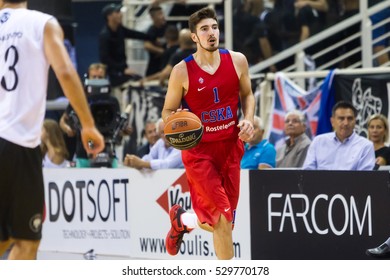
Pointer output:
x,y
207,35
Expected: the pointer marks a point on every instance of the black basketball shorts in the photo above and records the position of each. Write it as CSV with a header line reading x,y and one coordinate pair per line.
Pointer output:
x,y
21,192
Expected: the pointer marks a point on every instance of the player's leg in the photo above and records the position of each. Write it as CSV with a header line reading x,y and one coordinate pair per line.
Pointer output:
x,y
24,250
25,223
223,239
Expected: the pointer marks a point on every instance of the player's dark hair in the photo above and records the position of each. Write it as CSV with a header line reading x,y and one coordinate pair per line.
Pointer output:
x,y
196,17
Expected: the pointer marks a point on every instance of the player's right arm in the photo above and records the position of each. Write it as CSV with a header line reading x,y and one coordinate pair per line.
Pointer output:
x,y
177,86
58,58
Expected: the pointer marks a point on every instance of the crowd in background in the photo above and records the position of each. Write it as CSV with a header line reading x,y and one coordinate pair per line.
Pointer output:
x,y
261,29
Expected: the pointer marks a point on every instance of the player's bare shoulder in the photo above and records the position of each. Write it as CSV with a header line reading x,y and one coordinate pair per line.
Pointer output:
x,y
238,58
180,68
240,62
179,73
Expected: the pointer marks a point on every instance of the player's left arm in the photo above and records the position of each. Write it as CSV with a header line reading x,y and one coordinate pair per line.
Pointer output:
x,y
178,82
246,96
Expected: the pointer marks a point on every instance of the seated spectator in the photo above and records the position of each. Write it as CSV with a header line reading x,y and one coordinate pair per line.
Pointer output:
x,y
162,155
150,133
259,153
293,152
378,134
53,146
342,149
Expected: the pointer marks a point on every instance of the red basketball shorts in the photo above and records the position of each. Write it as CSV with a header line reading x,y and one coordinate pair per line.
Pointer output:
x,y
213,173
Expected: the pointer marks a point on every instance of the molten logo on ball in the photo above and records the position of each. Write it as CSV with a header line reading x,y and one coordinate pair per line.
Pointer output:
x,y
179,124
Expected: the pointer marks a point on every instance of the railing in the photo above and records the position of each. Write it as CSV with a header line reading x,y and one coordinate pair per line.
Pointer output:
x,y
366,49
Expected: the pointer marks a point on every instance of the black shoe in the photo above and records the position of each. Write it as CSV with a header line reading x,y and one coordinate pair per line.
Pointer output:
x,y
382,251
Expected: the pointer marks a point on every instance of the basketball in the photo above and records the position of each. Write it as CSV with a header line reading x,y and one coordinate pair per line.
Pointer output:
x,y
183,130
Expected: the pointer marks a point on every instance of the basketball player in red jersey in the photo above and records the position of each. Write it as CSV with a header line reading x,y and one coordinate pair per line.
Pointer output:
x,y
211,83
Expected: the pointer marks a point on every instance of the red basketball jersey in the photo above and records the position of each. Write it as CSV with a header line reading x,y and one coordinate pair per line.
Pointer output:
x,y
214,98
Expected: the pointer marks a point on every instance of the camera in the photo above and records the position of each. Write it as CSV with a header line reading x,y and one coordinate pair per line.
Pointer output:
x,y
109,121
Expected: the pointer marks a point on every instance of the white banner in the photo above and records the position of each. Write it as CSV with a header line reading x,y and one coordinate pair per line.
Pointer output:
x,y
124,212
87,209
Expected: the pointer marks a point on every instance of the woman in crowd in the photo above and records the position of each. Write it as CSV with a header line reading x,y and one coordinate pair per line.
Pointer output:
x,y
53,146
378,134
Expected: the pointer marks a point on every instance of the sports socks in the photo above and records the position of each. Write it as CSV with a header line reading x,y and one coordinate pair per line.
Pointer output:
x,y
190,220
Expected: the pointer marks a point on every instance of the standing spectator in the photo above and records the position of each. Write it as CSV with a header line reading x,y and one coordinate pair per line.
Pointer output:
x,y
35,41
350,8
157,44
186,48
342,149
243,25
378,134
53,146
259,153
380,46
172,38
161,156
311,16
293,153
112,50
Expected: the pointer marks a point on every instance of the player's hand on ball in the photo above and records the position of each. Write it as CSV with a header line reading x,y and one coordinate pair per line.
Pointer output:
x,y
246,130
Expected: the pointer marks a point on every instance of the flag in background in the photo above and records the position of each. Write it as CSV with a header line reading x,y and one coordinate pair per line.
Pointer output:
x,y
289,96
369,93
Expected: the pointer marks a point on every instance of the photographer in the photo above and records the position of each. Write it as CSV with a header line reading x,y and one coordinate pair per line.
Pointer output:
x,y
106,112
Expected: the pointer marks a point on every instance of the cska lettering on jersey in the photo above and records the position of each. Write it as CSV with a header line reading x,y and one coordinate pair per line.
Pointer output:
x,y
210,118
292,211
104,200
220,114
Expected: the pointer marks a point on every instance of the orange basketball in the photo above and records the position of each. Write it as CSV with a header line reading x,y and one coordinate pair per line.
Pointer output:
x,y
183,130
